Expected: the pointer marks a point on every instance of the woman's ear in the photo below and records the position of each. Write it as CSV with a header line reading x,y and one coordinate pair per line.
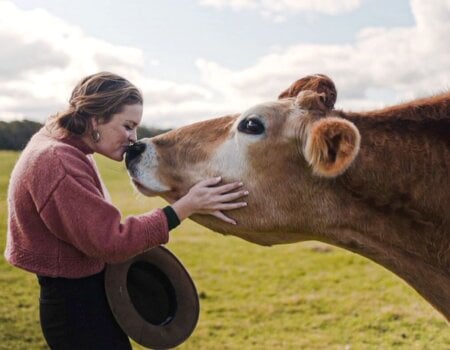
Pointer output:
x,y
331,146
94,123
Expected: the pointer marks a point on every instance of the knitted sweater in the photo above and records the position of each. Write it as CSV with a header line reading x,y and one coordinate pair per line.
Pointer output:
x,y
60,222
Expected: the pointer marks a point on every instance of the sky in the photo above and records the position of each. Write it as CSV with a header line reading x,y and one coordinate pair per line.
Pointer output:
x,y
199,59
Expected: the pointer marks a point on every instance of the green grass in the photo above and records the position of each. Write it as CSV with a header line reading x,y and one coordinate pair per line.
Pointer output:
x,y
299,296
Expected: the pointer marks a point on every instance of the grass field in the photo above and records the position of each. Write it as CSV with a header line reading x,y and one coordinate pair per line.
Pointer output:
x,y
299,296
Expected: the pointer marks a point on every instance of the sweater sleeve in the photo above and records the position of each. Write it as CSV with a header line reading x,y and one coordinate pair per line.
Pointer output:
x,y
77,213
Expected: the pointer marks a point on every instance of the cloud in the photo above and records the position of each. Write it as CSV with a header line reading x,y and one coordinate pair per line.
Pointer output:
x,y
19,57
384,65
43,57
278,10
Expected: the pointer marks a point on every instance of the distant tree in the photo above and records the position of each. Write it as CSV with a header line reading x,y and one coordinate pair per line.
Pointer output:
x,y
16,134
144,131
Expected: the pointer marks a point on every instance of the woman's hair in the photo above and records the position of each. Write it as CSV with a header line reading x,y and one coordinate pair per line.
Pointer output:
x,y
98,96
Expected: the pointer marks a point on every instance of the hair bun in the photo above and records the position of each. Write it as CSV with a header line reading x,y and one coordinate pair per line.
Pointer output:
x,y
74,121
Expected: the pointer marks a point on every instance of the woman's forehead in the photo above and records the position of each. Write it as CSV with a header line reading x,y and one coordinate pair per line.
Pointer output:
x,y
130,112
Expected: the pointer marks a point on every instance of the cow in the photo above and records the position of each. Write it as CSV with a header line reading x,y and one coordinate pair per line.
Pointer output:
x,y
376,183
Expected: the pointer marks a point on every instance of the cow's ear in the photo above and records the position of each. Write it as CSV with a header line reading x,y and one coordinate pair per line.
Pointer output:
x,y
319,83
311,100
331,145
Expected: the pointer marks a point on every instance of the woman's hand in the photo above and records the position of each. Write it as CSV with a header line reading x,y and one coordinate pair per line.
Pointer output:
x,y
206,198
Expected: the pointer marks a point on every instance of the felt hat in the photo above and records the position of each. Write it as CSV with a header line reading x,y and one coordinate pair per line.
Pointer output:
x,y
153,298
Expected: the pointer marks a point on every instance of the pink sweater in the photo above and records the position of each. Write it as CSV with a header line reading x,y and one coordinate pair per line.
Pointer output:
x,y
60,223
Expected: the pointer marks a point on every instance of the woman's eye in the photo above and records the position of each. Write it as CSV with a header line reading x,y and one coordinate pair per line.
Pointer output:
x,y
251,126
129,128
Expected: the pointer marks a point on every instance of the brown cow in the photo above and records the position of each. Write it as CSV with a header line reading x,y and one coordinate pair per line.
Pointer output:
x,y
376,183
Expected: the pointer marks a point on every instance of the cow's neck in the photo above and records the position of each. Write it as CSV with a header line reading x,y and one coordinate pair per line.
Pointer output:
x,y
399,191
404,159
401,175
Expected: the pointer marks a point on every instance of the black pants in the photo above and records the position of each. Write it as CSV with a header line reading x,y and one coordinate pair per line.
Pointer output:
x,y
75,314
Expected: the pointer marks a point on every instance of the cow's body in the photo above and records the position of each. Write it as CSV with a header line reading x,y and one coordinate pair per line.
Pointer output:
x,y
376,183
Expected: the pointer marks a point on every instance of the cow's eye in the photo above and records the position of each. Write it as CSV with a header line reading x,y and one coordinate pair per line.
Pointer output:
x,y
252,126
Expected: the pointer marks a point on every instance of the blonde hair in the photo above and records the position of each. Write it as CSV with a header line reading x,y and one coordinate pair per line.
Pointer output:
x,y
98,96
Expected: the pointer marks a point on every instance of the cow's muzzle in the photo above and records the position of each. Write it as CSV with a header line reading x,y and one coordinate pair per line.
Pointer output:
x,y
133,152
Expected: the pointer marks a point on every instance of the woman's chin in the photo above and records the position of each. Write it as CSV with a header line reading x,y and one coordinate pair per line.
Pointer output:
x,y
118,157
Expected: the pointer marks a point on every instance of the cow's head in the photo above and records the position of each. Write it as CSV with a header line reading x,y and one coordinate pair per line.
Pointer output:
x,y
284,151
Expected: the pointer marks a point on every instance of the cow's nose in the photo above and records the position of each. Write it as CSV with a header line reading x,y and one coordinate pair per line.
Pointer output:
x,y
133,151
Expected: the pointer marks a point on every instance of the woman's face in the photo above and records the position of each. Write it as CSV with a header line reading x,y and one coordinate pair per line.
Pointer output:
x,y
117,134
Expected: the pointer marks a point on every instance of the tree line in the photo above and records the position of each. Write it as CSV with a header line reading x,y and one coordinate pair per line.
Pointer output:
x,y
16,134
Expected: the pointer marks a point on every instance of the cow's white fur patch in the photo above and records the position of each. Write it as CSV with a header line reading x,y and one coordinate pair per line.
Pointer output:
x,y
145,171
230,159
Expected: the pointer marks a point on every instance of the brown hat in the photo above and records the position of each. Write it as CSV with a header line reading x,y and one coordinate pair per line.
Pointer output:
x,y
153,298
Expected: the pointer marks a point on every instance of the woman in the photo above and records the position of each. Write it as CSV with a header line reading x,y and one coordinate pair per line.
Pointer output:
x,y
62,225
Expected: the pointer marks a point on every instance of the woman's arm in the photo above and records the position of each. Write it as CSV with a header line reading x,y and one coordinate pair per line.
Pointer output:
x,y
77,213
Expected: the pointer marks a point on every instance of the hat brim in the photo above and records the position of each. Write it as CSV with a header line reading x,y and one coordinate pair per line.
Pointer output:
x,y
164,313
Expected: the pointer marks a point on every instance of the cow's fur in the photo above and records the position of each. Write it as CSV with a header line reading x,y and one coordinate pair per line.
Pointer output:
x,y
376,183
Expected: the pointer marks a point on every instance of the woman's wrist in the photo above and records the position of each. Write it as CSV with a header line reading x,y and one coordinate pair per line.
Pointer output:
x,y
182,208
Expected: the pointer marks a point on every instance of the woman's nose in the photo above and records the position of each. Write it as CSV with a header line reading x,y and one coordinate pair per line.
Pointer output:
x,y
133,137
133,151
